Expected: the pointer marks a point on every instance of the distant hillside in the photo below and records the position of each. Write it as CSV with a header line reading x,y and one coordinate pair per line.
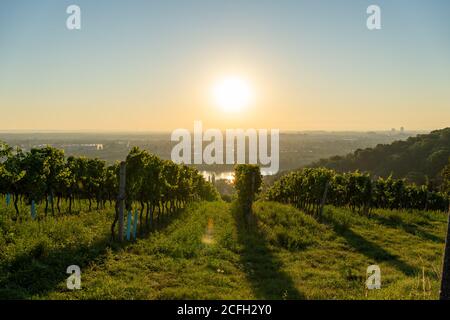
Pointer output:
x,y
414,159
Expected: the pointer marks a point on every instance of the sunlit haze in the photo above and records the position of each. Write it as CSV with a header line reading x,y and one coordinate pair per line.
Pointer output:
x,y
232,94
161,65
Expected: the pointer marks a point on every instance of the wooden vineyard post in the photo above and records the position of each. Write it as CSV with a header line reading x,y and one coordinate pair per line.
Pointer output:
x,y
33,210
445,279
122,182
8,199
367,203
135,224
129,225
250,205
324,198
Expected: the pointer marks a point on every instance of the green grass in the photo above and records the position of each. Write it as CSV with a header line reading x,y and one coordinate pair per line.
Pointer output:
x,y
208,252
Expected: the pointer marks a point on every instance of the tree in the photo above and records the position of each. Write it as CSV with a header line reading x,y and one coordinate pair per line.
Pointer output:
x,y
247,180
53,164
152,187
12,176
95,177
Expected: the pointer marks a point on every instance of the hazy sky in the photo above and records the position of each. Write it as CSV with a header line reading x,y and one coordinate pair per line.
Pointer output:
x,y
150,65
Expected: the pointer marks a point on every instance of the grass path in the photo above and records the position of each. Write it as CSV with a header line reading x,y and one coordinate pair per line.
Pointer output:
x,y
194,257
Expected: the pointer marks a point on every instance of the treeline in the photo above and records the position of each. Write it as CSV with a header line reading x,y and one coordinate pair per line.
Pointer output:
x,y
247,181
418,159
45,175
311,188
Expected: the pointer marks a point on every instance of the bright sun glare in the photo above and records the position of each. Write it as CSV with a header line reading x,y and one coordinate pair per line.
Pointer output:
x,y
232,94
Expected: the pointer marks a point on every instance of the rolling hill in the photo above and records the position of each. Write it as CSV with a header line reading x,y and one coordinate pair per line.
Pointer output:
x,y
416,159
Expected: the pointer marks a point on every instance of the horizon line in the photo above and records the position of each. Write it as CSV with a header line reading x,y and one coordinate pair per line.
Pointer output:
x,y
289,131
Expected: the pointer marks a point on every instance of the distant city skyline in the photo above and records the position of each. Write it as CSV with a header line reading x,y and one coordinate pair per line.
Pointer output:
x,y
155,66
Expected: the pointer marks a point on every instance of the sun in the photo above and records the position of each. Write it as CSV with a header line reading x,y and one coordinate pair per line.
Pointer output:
x,y
232,94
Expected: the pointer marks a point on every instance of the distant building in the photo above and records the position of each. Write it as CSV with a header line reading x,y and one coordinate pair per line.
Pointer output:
x,y
83,147
402,130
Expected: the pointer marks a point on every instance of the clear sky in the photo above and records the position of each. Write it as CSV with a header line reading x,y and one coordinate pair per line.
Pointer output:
x,y
151,65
